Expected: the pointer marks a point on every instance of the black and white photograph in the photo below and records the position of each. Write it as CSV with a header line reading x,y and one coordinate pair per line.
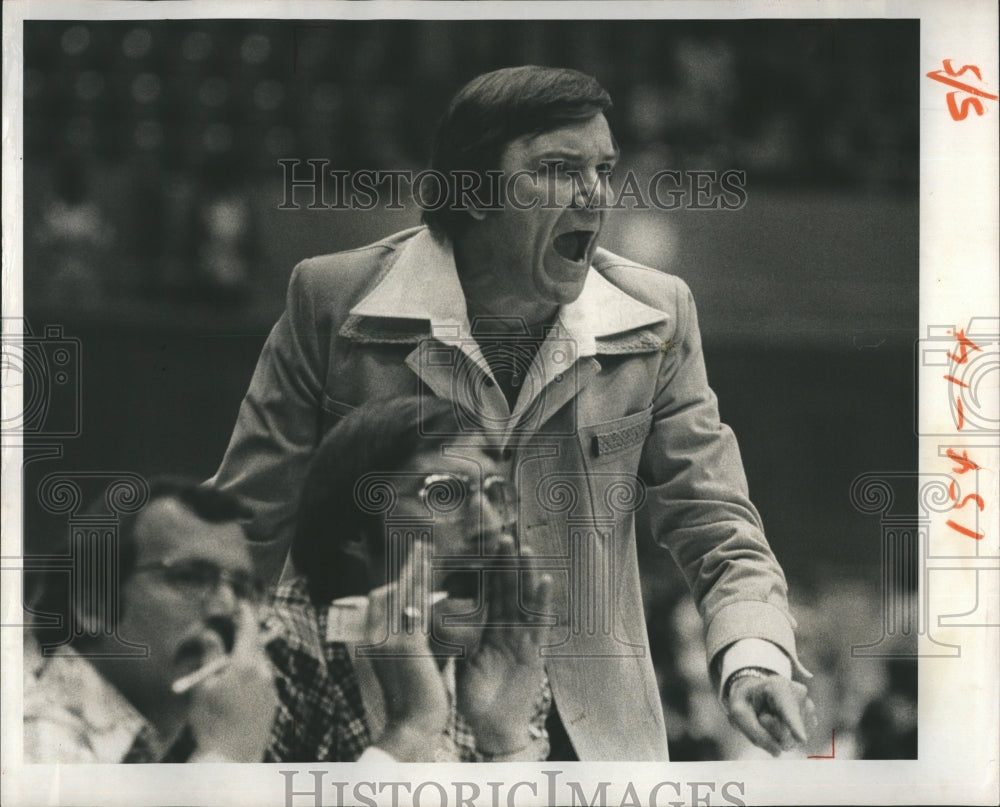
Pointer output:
x,y
606,397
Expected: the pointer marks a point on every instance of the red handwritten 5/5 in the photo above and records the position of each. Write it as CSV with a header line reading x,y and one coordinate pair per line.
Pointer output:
x,y
959,110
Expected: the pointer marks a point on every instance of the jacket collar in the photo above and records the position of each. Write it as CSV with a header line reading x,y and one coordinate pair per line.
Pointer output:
x,y
422,286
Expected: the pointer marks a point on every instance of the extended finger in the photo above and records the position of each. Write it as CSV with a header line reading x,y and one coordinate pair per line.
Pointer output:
x,y
777,729
784,698
542,600
245,642
528,598
413,588
541,607
811,719
503,584
744,717
387,604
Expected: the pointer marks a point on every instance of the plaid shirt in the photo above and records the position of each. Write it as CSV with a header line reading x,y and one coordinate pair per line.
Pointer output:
x,y
321,717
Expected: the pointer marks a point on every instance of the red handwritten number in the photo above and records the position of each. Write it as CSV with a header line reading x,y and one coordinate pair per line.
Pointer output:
x,y
965,530
953,495
962,112
965,68
976,498
964,463
948,76
961,356
964,343
964,346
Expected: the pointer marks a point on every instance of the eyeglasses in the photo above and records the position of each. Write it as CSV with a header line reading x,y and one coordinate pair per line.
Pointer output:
x,y
200,578
443,493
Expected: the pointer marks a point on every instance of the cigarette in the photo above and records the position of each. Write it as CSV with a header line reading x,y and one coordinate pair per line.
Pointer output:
x,y
182,685
270,630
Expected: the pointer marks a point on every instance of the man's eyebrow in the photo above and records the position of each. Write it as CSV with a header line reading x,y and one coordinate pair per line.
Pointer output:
x,y
573,154
554,154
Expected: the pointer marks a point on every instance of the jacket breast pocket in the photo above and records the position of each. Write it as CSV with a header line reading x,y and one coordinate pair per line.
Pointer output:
x,y
616,442
333,412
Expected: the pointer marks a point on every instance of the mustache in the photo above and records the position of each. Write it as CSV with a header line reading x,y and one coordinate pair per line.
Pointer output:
x,y
224,627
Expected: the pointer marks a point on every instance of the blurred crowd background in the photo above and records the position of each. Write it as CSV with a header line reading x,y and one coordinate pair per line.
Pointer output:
x,y
152,235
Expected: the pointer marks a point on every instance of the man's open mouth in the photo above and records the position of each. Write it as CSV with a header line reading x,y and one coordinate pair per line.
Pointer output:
x,y
463,584
573,245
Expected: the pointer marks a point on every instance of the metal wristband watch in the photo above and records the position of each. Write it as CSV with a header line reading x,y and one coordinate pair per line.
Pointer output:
x,y
744,672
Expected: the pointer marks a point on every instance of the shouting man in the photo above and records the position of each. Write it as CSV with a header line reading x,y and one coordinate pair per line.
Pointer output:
x,y
584,367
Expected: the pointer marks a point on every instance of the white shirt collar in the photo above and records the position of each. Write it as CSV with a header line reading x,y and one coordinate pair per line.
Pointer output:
x,y
423,285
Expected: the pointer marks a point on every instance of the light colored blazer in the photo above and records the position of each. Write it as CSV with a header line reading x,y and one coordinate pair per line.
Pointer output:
x,y
616,412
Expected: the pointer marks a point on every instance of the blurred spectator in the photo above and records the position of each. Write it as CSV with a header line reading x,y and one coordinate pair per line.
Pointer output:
x,y
75,239
222,236
888,726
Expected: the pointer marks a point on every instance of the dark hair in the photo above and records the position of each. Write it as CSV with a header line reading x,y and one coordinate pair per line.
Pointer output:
x,y
492,110
59,597
381,437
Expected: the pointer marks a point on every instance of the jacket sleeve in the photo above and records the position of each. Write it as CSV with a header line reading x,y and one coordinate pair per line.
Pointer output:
x,y
699,504
279,425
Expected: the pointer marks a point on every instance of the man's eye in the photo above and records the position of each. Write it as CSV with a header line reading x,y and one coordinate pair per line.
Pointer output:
x,y
245,586
445,493
193,574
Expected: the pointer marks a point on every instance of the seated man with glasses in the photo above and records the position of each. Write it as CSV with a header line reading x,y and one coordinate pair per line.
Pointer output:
x,y
414,627
166,662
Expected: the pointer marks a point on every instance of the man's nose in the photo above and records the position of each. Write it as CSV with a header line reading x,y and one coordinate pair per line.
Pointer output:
x,y
590,190
493,516
221,598
496,512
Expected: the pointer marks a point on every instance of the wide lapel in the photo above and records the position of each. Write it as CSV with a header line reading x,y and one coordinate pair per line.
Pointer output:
x,y
420,301
457,372
604,319
423,287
